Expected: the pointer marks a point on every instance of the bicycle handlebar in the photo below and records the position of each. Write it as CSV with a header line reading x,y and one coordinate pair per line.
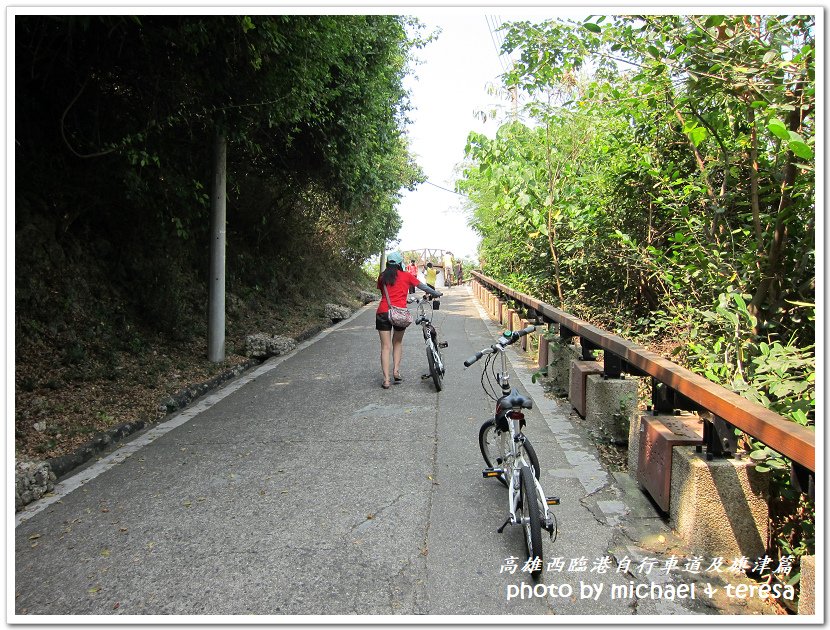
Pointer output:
x,y
426,298
506,339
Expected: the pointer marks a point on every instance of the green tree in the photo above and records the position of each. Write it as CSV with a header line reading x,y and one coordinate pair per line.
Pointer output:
x,y
669,162
116,115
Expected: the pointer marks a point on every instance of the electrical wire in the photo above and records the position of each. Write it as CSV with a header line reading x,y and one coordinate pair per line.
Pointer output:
x,y
447,190
490,28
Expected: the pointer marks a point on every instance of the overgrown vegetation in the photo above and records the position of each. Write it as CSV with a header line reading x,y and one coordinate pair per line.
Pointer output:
x,y
661,184
115,118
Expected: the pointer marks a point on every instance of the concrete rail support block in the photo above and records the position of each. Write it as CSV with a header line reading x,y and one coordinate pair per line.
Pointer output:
x,y
560,355
580,370
610,405
634,436
807,595
719,507
634,445
543,349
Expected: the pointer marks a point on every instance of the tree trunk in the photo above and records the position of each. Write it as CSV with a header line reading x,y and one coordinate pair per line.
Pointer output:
x,y
702,166
551,229
771,267
753,178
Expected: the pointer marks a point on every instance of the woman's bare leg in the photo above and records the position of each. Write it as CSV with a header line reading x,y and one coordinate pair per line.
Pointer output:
x,y
397,350
385,347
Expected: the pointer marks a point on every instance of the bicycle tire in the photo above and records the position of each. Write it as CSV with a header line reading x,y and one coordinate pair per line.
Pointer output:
x,y
433,368
488,442
493,454
532,528
439,362
531,456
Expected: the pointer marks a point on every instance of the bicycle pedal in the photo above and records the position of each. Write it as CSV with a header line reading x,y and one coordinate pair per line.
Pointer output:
x,y
492,472
443,344
552,500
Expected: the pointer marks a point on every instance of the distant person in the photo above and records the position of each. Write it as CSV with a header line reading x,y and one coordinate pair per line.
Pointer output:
x,y
448,267
430,275
413,269
395,282
459,273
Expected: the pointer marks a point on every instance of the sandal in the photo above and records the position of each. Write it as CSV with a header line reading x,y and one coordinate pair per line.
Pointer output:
x,y
398,379
386,385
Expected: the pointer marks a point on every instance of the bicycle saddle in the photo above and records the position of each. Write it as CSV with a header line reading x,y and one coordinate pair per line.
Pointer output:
x,y
514,400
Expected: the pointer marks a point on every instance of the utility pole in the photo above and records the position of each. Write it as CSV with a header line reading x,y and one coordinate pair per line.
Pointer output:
x,y
218,233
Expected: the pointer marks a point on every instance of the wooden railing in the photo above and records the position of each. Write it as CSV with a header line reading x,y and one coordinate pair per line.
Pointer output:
x,y
784,436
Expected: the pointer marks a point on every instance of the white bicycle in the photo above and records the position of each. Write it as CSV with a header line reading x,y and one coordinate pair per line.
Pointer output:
x,y
510,456
426,305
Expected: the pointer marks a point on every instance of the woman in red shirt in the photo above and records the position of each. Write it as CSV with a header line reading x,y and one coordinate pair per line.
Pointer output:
x,y
397,283
413,269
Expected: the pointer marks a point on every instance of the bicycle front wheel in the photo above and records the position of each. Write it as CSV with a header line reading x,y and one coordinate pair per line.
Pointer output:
x,y
433,367
531,519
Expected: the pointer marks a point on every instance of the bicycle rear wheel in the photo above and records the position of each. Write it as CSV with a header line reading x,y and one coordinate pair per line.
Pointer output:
x,y
494,446
433,366
531,456
492,443
531,519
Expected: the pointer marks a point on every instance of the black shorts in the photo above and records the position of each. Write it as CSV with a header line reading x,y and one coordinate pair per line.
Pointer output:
x,y
382,322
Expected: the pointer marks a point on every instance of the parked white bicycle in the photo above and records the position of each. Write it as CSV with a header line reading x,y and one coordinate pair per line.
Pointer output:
x,y
510,456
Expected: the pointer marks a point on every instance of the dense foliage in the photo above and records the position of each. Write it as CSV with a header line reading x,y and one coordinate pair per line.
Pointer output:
x,y
114,124
662,184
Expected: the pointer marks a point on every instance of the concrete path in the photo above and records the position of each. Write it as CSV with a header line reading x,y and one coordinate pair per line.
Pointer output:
x,y
304,488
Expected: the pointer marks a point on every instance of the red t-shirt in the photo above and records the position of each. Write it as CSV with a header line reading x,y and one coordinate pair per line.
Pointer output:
x,y
397,291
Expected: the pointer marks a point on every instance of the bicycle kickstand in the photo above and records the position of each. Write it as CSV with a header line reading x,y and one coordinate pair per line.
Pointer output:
x,y
506,523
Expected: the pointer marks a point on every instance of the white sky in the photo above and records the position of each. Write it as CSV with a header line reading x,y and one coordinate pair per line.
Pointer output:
x,y
450,86
446,91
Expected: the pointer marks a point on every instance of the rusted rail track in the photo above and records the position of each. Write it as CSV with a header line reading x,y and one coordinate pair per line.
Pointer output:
x,y
788,438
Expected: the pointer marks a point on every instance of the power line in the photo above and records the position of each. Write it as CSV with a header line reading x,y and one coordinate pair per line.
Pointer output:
x,y
490,28
447,189
499,34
